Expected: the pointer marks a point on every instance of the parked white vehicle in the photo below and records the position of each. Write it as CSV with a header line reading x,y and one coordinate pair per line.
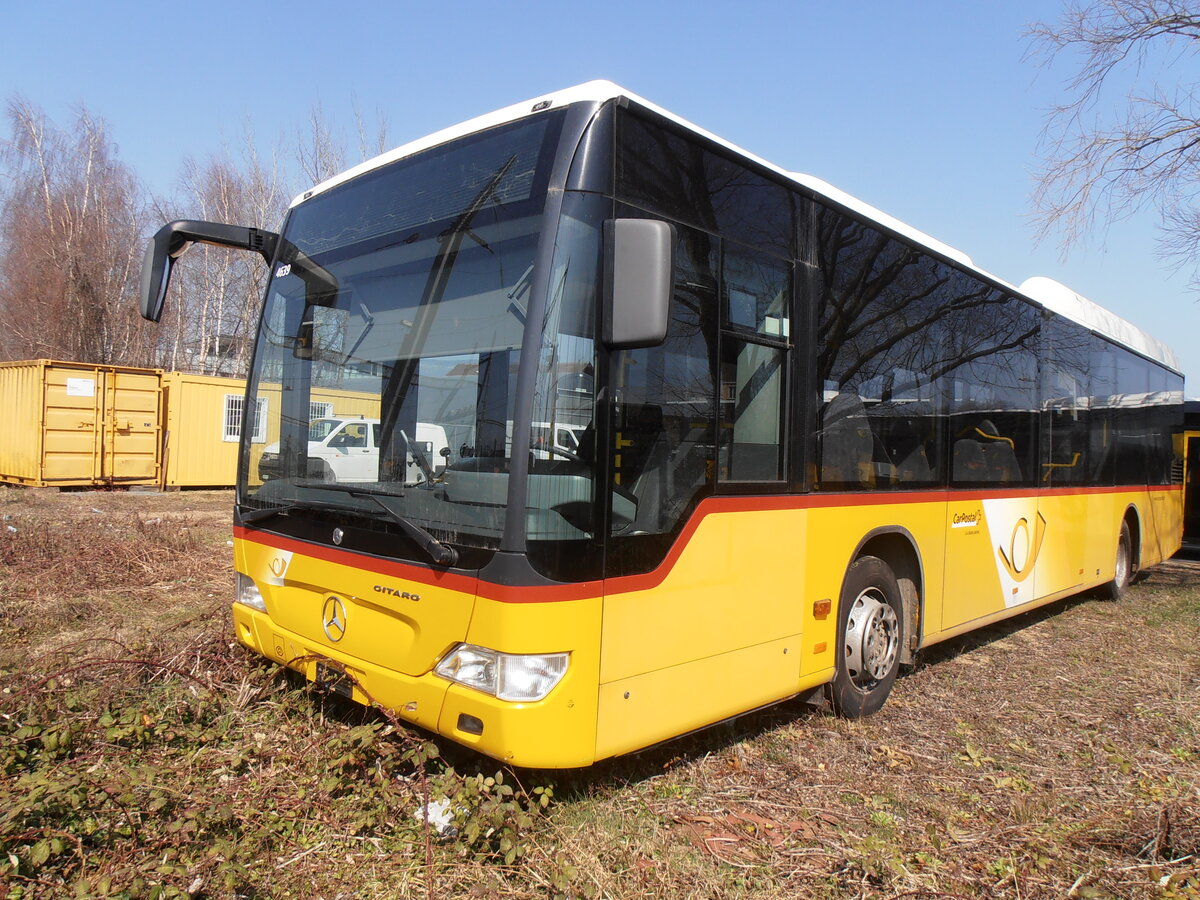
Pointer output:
x,y
348,451
559,435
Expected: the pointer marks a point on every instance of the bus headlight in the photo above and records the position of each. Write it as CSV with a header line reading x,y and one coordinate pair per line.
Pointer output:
x,y
507,676
248,594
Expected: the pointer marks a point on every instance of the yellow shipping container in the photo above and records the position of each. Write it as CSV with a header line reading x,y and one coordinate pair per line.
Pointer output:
x,y
80,424
203,421
75,424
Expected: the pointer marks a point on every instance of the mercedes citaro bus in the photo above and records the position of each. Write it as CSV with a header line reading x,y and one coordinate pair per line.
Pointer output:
x,y
808,440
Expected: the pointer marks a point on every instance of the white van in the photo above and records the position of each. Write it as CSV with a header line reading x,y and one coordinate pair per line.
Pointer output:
x,y
348,450
559,435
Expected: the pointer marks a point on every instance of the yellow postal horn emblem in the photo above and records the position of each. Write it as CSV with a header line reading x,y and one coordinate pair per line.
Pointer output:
x,y
1022,549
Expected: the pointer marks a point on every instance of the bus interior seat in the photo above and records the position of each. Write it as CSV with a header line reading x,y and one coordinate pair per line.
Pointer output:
x,y
999,454
1001,462
915,466
847,443
969,461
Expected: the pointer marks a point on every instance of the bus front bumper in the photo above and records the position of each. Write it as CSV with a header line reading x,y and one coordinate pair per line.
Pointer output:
x,y
557,732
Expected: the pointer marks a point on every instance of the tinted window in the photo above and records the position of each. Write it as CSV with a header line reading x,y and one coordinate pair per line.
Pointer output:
x,y
1102,380
756,290
1140,402
752,404
882,346
1166,404
664,410
504,165
1132,420
1067,416
993,384
661,171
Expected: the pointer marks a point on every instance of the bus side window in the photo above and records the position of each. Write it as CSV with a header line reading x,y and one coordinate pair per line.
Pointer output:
x,y
752,405
998,452
847,444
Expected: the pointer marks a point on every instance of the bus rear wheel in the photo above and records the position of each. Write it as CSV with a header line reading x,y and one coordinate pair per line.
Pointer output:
x,y
1123,572
870,637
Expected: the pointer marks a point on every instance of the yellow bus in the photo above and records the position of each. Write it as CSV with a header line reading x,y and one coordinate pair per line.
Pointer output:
x,y
808,440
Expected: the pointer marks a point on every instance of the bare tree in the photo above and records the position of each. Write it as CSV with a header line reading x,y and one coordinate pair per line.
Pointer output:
x,y
369,144
70,215
216,290
318,152
1128,136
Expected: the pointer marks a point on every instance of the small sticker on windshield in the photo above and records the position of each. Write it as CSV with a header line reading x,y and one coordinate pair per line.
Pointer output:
x,y
283,270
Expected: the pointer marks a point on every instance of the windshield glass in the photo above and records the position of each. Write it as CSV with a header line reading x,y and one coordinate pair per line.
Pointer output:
x,y
387,356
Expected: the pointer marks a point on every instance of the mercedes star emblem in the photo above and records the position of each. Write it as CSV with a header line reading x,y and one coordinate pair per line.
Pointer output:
x,y
337,536
333,619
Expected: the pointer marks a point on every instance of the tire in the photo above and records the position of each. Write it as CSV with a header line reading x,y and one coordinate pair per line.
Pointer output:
x,y
320,470
1123,570
870,639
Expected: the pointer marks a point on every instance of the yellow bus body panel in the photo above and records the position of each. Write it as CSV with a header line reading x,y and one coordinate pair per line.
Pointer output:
x,y
391,644
729,622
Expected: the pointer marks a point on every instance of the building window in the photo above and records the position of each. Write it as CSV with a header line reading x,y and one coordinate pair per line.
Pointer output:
x,y
320,409
234,404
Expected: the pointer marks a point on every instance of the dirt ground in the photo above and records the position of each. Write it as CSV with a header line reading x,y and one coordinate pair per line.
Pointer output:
x,y
1053,755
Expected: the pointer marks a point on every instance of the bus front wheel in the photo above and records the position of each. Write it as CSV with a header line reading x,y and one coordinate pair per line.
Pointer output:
x,y
1123,572
870,637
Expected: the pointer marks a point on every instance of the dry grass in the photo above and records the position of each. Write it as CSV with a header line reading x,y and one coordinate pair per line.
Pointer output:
x,y
114,564
1057,755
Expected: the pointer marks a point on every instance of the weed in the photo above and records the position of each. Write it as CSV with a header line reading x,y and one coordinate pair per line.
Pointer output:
x,y
144,754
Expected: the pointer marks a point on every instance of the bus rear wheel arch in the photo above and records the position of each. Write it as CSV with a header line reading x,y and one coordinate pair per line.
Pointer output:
x,y
870,638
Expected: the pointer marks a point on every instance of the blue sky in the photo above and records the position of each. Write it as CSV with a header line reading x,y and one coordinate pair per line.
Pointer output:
x,y
927,109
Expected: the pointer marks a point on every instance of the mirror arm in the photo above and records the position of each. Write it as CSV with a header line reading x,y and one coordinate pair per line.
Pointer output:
x,y
181,233
170,242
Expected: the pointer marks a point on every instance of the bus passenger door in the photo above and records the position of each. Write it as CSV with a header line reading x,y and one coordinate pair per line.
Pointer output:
x,y
1068,464
992,546
1064,508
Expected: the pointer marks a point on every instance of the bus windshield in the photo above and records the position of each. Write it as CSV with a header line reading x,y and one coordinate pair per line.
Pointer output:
x,y
389,343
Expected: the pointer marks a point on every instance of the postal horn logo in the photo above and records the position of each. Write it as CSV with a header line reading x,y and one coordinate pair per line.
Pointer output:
x,y
1023,547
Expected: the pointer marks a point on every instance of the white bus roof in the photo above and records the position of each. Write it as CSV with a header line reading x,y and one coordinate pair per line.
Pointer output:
x,y
1043,291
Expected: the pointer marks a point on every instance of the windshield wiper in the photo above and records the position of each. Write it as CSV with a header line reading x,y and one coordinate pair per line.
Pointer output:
x,y
260,515
408,358
441,554
368,324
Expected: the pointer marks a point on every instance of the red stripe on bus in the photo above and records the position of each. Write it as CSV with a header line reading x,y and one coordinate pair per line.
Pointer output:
x,y
558,593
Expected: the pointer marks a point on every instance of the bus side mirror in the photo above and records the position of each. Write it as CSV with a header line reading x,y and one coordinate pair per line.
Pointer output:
x,y
639,267
161,253
170,242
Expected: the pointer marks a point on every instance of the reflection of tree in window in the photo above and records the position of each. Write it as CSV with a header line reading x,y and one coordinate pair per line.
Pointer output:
x,y
662,171
895,328
1068,409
